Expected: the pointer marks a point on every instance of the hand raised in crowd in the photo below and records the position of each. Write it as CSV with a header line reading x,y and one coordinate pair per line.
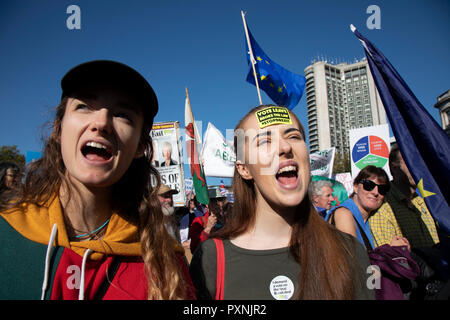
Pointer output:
x,y
212,219
186,244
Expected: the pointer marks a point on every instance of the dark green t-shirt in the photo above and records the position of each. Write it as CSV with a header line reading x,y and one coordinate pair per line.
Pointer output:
x,y
261,274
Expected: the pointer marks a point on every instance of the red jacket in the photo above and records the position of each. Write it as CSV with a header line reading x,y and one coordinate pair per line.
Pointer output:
x,y
196,232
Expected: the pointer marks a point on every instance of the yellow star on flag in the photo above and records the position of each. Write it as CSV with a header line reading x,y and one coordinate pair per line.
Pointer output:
x,y
263,77
280,89
271,84
258,58
424,193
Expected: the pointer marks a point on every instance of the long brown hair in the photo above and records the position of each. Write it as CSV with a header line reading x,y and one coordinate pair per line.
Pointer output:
x,y
135,200
321,250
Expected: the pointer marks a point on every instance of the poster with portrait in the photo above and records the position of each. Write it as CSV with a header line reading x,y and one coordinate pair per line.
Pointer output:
x,y
167,158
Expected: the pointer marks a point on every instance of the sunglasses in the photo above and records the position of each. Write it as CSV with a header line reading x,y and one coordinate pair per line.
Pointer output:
x,y
369,185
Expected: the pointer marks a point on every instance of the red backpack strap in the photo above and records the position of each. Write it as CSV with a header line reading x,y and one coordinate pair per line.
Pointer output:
x,y
220,269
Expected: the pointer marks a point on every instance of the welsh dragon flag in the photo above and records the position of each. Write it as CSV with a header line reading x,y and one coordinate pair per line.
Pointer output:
x,y
192,138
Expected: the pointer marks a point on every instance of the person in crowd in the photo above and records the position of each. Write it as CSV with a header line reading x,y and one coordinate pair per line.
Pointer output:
x,y
222,213
321,193
352,216
87,223
398,269
274,244
155,163
220,206
165,196
193,211
370,187
10,176
167,155
212,220
404,213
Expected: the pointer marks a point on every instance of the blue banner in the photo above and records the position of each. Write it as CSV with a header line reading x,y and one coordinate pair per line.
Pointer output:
x,y
424,145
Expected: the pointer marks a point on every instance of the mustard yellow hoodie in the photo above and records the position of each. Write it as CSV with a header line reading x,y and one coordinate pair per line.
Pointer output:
x,y
36,223
25,233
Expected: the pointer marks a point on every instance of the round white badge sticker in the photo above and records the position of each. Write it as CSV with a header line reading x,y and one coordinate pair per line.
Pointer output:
x,y
281,288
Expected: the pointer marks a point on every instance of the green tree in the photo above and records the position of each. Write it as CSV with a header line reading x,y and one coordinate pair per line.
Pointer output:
x,y
12,154
341,163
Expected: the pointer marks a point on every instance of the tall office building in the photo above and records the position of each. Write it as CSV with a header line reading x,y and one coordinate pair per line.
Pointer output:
x,y
443,105
340,97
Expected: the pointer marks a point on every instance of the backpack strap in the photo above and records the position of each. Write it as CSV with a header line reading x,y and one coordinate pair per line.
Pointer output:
x,y
220,280
364,237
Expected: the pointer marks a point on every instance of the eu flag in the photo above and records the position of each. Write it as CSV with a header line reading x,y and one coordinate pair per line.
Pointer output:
x,y
282,86
425,147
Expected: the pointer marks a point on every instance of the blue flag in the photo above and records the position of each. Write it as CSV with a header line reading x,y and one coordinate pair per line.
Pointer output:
x,y
424,145
282,86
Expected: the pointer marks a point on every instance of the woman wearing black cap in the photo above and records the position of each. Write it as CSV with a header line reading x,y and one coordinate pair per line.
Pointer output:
x,y
87,223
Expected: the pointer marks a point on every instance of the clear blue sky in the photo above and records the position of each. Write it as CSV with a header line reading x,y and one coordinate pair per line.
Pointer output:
x,y
199,44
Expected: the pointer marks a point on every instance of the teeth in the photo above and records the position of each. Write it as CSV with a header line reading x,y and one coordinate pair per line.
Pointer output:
x,y
287,169
95,145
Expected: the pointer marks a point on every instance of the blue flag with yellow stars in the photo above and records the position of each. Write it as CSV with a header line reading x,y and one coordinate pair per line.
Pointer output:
x,y
424,145
282,86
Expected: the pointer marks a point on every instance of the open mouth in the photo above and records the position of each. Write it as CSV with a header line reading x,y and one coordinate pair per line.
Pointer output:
x,y
287,175
95,151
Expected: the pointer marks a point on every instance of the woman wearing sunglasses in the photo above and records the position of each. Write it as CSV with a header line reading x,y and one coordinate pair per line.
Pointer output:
x,y
391,264
370,186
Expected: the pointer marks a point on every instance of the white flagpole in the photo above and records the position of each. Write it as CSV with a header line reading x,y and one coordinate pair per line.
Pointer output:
x,y
352,27
252,59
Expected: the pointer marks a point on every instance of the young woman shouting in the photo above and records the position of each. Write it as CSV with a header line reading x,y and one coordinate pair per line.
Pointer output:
x,y
274,244
87,223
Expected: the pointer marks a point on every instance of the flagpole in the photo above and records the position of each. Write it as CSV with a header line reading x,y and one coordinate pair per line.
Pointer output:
x,y
252,59
353,28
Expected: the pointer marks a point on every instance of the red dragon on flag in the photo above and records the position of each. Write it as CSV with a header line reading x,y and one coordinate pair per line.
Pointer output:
x,y
197,172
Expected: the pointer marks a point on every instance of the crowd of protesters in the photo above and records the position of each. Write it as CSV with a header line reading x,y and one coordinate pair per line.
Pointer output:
x,y
89,202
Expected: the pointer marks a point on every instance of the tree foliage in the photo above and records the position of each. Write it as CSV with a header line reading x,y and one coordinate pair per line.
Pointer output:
x,y
12,154
341,163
